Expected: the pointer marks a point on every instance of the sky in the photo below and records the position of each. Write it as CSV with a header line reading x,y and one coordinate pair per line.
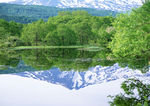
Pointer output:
x,y
1,1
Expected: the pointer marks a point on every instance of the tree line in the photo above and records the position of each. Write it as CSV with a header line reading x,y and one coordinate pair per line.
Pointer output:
x,y
68,28
126,36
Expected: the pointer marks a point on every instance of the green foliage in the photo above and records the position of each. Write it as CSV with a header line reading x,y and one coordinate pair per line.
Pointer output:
x,y
15,28
83,32
68,28
34,33
132,37
66,35
11,27
12,41
105,35
3,33
130,87
145,1
62,36
9,34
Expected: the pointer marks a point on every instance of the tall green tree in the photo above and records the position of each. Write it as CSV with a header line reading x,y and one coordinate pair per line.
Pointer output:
x,y
9,34
34,33
132,37
83,32
61,36
15,28
66,35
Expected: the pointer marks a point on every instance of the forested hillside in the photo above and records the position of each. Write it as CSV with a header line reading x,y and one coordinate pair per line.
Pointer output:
x,y
125,36
30,13
19,19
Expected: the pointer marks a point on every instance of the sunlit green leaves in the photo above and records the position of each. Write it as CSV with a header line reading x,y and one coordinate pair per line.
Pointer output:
x,y
129,98
132,34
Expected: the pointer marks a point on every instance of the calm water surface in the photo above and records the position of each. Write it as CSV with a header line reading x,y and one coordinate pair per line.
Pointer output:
x,y
64,77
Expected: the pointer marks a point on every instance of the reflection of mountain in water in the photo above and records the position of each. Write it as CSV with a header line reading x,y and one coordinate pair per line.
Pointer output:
x,y
21,67
76,80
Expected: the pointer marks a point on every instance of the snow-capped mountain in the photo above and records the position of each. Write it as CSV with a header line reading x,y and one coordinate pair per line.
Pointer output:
x,y
95,75
116,5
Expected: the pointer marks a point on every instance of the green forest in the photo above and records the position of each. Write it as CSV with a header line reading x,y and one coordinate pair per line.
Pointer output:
x,y
65,29
30,13
126,36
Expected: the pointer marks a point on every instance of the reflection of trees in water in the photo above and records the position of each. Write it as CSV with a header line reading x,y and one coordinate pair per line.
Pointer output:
x,y
66,59
36,58
140,64
8,58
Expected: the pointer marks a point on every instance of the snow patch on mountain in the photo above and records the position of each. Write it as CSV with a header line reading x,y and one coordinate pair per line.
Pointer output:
x,y
115,5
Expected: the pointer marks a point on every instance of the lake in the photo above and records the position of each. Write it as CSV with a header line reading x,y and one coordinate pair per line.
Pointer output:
x,y
64,77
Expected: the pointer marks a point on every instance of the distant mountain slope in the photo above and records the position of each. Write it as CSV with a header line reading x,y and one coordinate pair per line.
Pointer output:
x,y
19,19
116,5
10,11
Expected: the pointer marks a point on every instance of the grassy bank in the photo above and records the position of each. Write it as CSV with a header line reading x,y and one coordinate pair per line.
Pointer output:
x,y
57,47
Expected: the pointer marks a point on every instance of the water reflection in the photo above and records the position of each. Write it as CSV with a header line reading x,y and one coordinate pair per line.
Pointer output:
x,y
76,80
71,68
65,59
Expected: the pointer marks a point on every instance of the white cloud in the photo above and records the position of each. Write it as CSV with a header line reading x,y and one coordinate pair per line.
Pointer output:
x,y
5,1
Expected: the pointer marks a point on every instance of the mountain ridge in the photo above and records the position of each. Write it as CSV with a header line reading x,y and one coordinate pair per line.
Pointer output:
x,y
115,5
